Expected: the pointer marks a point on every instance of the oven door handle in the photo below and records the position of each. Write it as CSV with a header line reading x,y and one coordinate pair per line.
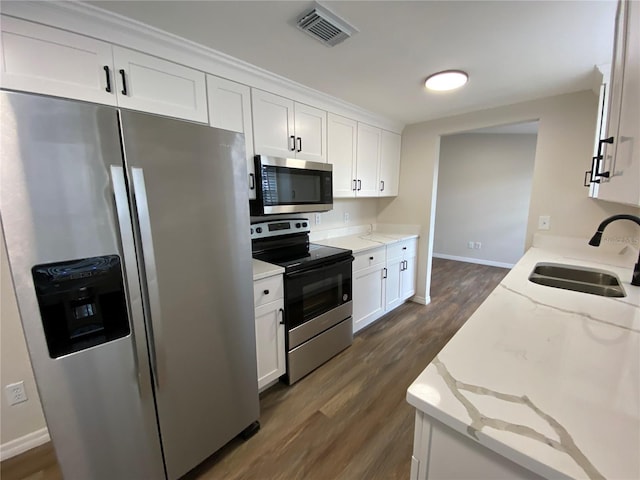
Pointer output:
x,y
322,267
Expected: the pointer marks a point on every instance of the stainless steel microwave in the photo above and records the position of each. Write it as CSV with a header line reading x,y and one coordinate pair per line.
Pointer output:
x,y
289,185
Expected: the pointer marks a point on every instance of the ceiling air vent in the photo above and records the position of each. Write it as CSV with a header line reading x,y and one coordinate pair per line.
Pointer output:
x,y
325,26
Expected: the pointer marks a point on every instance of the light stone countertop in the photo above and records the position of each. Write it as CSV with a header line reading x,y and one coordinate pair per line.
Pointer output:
x,y
362,242
546,377
263,269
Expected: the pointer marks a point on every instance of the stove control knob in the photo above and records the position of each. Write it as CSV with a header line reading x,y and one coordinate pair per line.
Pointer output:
x,y
297,225
304,224
259,230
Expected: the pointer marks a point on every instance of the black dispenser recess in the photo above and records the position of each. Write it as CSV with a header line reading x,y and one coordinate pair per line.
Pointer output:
x,y
82,303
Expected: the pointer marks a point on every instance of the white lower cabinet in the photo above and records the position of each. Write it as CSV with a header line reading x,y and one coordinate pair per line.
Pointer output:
x,y
368,287
439,452
383,278
270,331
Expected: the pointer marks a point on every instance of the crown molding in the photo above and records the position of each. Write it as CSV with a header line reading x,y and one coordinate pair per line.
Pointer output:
x,y
94,22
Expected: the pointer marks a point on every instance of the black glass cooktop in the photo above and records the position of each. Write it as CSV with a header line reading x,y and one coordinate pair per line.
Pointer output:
x,y
293,259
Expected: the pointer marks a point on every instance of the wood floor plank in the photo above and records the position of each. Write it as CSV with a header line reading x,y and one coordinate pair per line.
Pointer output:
x,y
349,419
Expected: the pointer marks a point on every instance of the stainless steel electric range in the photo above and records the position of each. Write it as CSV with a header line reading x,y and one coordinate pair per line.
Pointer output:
x,y
317,292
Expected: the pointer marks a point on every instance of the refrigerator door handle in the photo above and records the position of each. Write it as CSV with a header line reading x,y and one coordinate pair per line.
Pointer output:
x,y
150,297
129,257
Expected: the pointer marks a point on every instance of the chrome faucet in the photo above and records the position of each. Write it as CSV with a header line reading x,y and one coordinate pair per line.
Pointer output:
x,y
595,241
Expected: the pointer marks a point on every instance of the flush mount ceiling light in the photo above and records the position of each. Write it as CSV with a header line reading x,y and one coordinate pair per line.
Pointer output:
x,y
447,80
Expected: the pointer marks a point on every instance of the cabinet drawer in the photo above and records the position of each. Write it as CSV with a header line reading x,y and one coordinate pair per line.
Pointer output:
x,y
267,290
369,258
405,249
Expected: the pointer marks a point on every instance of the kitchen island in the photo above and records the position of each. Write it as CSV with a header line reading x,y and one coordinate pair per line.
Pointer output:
x,y
539,382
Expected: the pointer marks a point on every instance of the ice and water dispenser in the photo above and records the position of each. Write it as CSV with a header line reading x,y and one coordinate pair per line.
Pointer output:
x,y
82,303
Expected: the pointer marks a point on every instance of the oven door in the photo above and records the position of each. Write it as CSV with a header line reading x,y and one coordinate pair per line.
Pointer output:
x,y
317,299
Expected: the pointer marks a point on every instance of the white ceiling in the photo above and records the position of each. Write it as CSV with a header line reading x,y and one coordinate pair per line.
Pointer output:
x,y
513,50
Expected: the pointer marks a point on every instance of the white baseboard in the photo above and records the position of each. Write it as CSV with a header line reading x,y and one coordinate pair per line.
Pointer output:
x,y
479,261
22,444
421,300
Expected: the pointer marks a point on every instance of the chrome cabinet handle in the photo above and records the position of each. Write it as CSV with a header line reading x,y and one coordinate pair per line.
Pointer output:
x,y
150,298
129,260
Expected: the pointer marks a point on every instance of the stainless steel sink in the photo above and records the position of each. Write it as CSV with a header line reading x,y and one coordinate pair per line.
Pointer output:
x,y
579,279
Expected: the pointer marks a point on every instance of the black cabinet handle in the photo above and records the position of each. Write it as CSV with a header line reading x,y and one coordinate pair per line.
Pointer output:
x,y
404,248
124,82
587,175
281,310
355,185
382,185
252,185
108,74
359,185
266,292
299,144
370,258
599,157
384,274
293,143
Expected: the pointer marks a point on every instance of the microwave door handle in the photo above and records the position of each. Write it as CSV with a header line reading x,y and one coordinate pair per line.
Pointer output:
x,y
317,269
151,294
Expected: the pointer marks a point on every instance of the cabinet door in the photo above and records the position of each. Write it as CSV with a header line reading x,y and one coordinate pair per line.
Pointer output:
x,y
368,296
623,185
273,124
46,60
408,279
150,84
389,164
230,109
270,342
393,296
368,160
341,152
311,133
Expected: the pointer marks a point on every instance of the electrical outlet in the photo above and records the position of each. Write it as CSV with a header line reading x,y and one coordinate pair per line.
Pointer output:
x,y
346,217
544,222
469,244
317,218
477,245
15,393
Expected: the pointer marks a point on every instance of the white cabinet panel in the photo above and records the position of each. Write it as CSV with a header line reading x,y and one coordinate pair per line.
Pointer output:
x,y
153,85
54,62
270,342
389,177
230,109
273,124
622,157
393,296
368,296
368,160
341,152
408,279
311,133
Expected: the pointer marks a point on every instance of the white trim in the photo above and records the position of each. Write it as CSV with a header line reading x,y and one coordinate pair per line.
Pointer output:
x,y
22,444
480,261
94,22
421,300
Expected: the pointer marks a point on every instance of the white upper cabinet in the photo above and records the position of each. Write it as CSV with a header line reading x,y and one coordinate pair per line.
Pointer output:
x,y
54,62
230,109
284,128
153,85
389,164
342,134
368,160
621,157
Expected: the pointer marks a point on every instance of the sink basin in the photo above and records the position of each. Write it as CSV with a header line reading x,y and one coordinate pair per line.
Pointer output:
x,y
579,279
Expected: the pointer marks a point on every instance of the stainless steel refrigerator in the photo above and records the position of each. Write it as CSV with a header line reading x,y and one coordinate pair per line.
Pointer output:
x,y
128,243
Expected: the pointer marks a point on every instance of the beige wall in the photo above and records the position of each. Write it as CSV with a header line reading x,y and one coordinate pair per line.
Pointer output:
x,y
563,152
484,187
24,418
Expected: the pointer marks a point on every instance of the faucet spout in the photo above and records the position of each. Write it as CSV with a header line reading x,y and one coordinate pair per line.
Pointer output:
x,y
597,238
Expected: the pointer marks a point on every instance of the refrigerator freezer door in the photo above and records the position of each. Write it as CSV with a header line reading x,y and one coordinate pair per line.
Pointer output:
x,y
57,205
188,186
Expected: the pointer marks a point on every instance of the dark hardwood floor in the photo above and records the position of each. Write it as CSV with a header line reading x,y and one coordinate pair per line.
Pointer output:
x,y
349,419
